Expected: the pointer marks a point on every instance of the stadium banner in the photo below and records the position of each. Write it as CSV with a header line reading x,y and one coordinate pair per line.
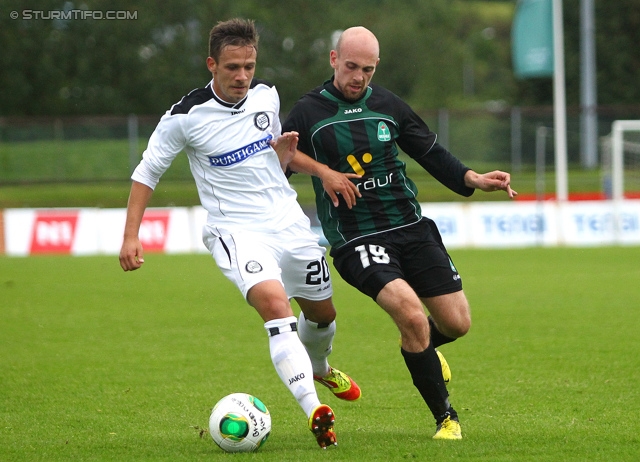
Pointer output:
x,y
51,231
627,229
198,217
600,222
166,230
513,224
161,230
93,231
532,39
451,219
111,227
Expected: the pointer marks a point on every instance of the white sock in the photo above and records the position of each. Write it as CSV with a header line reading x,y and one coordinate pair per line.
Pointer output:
x,y
291,362
317,341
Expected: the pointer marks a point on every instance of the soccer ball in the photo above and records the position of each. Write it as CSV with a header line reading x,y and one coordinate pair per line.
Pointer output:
x,y
240,422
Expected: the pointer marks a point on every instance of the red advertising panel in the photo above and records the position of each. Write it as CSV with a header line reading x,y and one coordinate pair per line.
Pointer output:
x,y
53,232
154,229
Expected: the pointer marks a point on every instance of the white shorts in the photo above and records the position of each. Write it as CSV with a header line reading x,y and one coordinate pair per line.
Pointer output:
x,y
292,257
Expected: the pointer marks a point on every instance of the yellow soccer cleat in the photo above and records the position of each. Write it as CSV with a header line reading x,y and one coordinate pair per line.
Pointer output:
x,y
448,429
446,371
340,384
321,424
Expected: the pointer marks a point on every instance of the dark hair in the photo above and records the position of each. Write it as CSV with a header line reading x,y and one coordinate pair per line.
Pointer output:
x,y
235,32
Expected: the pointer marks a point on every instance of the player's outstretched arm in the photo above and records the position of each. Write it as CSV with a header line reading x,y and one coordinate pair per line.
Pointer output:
x,y
131,252
333,182
492,181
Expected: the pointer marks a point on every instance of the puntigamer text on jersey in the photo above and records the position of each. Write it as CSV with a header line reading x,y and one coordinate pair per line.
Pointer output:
x,y
230,158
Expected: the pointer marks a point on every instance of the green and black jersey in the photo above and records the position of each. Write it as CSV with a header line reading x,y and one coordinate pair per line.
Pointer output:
x,y
363,137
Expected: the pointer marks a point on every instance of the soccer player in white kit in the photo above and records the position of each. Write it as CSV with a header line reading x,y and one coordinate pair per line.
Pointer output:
x,y
256,231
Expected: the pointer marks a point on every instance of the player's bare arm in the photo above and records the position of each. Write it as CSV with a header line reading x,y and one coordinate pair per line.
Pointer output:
x,y
131,252
489,182
285,146
333,182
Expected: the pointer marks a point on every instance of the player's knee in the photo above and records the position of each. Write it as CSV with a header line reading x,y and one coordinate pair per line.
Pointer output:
x,y
455,324
460,320
271,307
461,326
322,311
413,324
461,329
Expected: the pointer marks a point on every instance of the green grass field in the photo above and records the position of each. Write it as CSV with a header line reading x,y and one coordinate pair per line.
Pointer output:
x,y
97,364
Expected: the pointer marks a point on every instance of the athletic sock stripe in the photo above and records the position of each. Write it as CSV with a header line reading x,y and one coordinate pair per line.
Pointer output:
x,y
293,327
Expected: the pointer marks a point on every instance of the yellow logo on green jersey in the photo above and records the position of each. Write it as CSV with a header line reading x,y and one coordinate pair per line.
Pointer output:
x,y
355,165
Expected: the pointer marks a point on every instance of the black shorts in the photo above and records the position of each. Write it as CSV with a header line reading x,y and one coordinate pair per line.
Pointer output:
x,y
414,253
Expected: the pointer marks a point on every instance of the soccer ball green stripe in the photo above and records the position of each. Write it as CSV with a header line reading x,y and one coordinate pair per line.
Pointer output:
x,y
258,404
234,427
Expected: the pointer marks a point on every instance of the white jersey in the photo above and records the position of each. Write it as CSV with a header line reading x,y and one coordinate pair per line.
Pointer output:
x,y
237,172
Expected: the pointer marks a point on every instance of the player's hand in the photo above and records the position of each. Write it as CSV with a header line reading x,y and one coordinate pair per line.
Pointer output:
x,y
335,183
131,254
492,181
285,146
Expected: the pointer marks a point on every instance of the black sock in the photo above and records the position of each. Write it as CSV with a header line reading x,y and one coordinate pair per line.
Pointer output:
x,y
437,337
426,372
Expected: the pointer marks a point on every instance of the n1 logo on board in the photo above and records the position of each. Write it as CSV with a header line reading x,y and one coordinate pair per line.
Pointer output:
x,y
154,230
54,232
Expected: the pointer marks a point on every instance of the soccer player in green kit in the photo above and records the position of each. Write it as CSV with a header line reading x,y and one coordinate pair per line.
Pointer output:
x,y
349,134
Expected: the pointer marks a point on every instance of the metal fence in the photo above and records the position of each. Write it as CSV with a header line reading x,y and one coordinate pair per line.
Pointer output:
x,y
101,148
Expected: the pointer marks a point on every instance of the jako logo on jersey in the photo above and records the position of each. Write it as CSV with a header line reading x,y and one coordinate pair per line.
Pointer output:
x,y
384,134
261,121
233,157
253,267
353,111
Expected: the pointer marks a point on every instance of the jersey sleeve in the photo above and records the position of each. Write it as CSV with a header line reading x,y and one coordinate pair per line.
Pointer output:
x,y
165,143
295,123
420,143
276,131
446,168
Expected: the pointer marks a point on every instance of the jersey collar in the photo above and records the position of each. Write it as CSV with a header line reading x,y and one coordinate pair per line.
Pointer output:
x,y
336,94
220,101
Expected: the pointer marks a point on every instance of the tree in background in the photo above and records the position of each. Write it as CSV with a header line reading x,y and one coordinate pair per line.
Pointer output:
x,y
143,65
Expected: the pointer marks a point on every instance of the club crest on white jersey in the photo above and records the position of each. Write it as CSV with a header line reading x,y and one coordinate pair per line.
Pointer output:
x,y
261,121
253,267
